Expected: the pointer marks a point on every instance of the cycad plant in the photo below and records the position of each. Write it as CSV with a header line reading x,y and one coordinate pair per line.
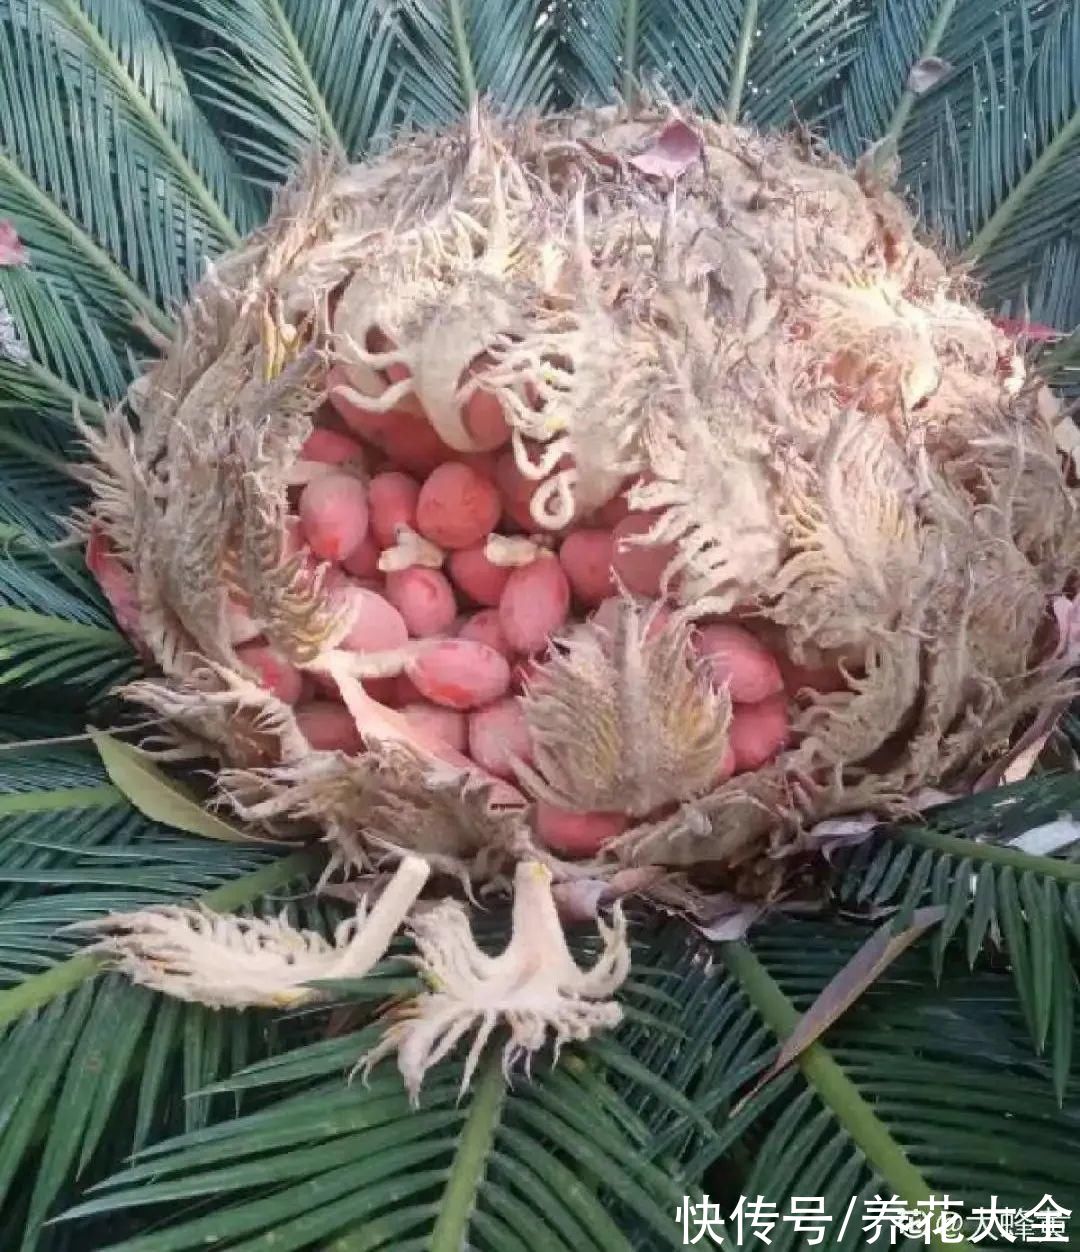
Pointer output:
x,y
140,141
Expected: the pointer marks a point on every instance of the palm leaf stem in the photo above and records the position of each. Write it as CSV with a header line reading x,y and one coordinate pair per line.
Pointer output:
x,y
142,107
470,1160
33,451
907,100
42,988
303,70
42,623
461,50
1007,210
62,798
997,854
742,59
87,406
82,243
832,1085
631,22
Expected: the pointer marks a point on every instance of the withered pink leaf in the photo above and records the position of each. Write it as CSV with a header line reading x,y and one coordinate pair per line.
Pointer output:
x,y
840,993
673,151
12,249
1019,328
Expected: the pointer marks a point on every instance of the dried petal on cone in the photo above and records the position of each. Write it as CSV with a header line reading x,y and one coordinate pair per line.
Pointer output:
x,y
225,961
534,987
624,720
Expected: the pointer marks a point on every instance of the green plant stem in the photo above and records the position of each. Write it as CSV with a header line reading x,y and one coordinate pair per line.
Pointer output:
x,y
43,624
139,103
42,988
19,802
907,99
1003,215
88,407
461,50
81,242
995,853
830,1082
33,452
303,70
631,21
474,1147
742,59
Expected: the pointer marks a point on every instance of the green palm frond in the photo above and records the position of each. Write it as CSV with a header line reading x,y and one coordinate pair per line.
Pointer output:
x,y
996,165
109,171
997,898
54,627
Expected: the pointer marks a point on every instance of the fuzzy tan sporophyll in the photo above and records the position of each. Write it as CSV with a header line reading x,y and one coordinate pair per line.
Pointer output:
x,y
630,486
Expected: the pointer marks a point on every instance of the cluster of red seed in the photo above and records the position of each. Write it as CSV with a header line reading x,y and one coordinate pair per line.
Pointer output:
x,y
409,527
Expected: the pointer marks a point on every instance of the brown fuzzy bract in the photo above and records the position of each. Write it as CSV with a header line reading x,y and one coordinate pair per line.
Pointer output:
x,y
830,431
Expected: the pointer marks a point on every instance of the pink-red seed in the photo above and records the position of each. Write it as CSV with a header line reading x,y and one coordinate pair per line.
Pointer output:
x,y
385,690
575,833
458,507
497,734
459,674
586,556
740,661
759,731
334,515
485,627
273,671
640,566
445,724
483,417
424,598
412,443
328,727
330,448
476,577
392,500
369,424
363,562
534,604
376,625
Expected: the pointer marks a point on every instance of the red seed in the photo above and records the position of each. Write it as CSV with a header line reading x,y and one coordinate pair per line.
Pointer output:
x,y
334,515
272,671
640,567
496,734
475,576
411,442
328,727
376,625
485,463
575,833
611,514
586,556
740,661
459,674
363,562
759,732
424,598
485,627
330,448
445,724
534,605
369,424
392,503
483,417
385,690
457,507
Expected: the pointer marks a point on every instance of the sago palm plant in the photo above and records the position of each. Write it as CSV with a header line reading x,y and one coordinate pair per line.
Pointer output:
x,y
140,141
